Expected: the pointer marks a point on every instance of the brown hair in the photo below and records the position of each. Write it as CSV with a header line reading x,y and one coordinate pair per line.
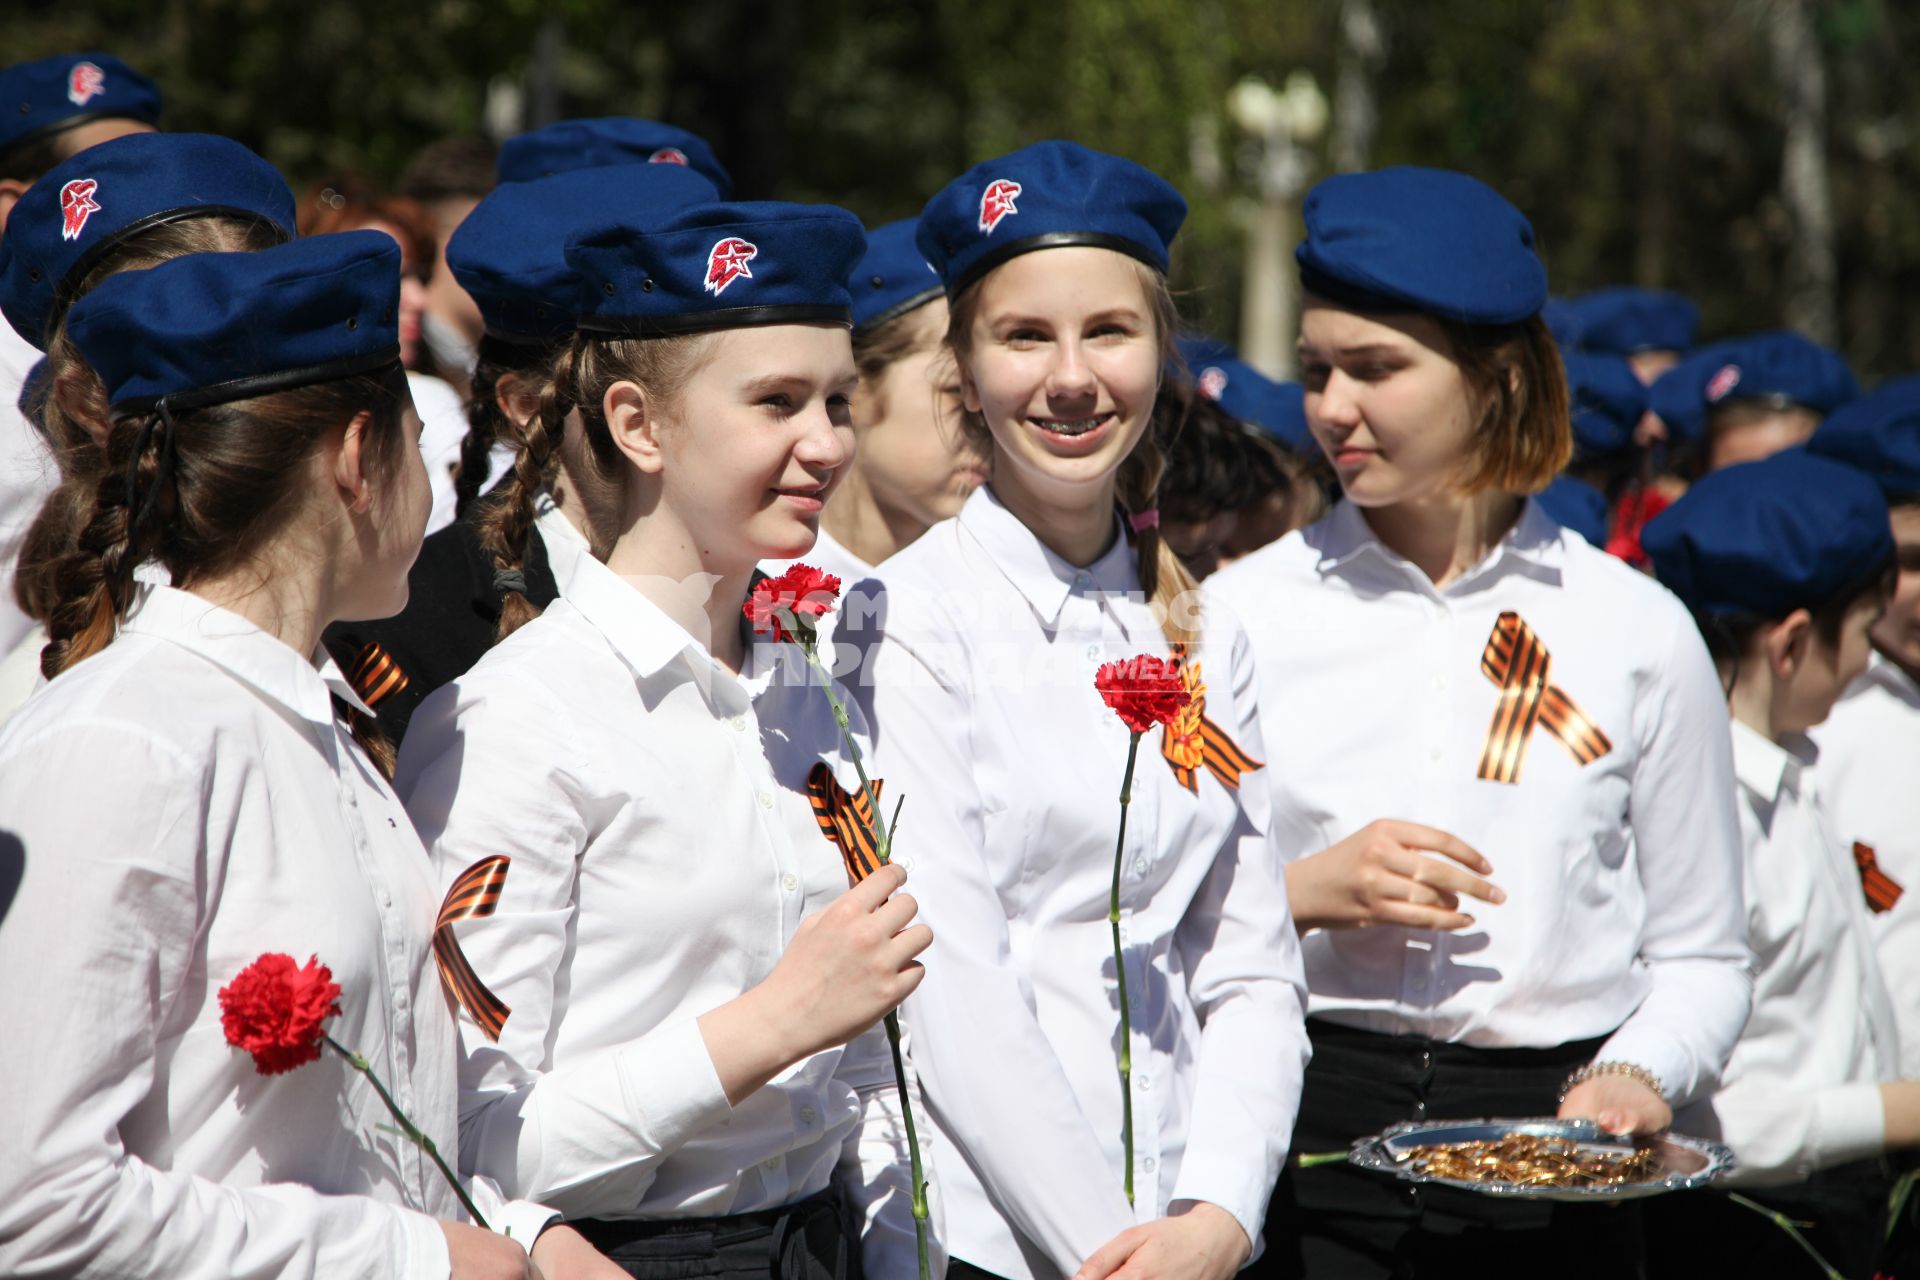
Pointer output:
x,y
56,528
210,487
580,377
1168,585
1524,436
31,160
487,422
1730,635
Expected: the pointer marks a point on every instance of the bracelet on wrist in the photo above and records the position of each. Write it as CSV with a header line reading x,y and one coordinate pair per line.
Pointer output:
x,y
1631,1070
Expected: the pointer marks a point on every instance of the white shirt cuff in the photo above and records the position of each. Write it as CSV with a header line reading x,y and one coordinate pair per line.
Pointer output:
x,y
427,1255
522,1221
1849,1123
670,1085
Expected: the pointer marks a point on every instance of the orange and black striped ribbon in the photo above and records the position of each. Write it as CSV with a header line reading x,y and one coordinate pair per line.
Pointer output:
x,y
474,895
846,819
1191,741
375,675
1882,890
1515,660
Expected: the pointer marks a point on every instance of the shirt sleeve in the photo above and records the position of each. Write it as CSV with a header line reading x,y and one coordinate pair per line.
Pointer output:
x,y
109,907
1687,839
1781,1134
486,772
1248,986
876,1170
973,1014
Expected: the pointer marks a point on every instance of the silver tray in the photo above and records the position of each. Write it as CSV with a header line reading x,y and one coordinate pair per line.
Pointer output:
x,y
1687,1162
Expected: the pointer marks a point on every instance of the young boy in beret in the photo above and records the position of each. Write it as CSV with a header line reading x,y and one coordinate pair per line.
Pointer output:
x,y
1786,564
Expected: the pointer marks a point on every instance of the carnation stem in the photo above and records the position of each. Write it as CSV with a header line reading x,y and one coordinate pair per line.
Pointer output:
x,y
1785,1223
1120,968
408,1127
883,848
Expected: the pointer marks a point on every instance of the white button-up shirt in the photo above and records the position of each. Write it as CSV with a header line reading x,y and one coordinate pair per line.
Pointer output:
x,y
1623,874
1010,766
27,476
1869,764
1801,1092
185,801
664,851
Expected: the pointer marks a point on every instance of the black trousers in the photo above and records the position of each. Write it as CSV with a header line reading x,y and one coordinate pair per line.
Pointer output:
x,y
1336,1222
1841,1211
811,1240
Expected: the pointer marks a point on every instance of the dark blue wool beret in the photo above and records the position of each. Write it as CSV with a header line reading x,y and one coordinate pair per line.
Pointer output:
x,y
74,216
510,252
567,145
214,327
1880,435
1607,398
50,94
1777,366
1625,319
894,276
1426,240
1048,195
1788,532
1247,394
1574,504
717,266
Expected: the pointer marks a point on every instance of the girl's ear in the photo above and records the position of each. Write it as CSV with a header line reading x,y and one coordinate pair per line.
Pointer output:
x,y
516,396
70,393
351,475
634,423
1788,643
969,394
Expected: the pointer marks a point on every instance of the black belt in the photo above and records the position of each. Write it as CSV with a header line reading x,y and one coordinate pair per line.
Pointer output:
x,y
810,1240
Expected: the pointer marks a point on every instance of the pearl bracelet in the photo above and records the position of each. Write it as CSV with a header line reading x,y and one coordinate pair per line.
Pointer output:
x,y
1631,1070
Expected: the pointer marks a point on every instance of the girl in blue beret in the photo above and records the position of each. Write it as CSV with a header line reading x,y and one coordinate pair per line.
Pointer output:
x,y
996,623
1497,756
687,1058
165,196
185,797
1788,564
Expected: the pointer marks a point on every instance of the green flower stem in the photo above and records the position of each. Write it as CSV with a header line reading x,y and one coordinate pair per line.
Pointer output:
x,y
1318,1158
407,1127
1785,1223
1120,967
883,847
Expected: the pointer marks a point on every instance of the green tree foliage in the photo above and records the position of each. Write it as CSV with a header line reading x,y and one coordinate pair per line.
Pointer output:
x,y
1643,136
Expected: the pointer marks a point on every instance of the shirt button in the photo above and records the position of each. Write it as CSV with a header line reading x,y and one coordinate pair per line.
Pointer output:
x,y
1435,754
789,882
766,799
1139,866
1150,1164
739,724
1426,1059
1439,681
807,1115
1094,653
1146,1082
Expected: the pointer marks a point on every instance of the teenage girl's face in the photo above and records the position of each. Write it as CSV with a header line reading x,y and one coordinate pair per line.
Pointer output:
x,y
1063,363
761,434
413,293
1898,633
1386,402
915,456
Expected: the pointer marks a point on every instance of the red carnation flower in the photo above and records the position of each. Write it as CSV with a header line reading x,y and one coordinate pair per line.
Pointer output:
x,y
274,1009
786,607
1143,691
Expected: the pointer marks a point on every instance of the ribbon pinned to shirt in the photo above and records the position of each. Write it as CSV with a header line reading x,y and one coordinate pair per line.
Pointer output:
x,y
1191,741
846,819
1516,661
1882,890
474,895
375,675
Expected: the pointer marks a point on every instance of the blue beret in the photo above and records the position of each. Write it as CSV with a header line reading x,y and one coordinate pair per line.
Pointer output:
x,y
1624,320
893,278
213,327
510,252
612,140
1426,240
1777,366
74,216
717,266
1880,435
1607,398
1576,505
1278,408
1563,322
1788,532
50,94
1046,196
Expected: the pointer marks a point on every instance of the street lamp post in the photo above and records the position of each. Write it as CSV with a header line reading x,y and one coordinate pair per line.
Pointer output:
x,y
1281,125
